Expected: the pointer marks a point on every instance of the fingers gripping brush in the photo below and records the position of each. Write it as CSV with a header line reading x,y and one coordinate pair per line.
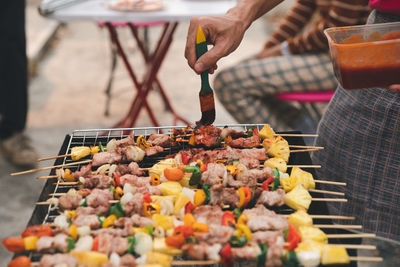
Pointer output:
x,y
206,94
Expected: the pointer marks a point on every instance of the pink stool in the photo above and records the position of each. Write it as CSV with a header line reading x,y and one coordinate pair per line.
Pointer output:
x,y
310,99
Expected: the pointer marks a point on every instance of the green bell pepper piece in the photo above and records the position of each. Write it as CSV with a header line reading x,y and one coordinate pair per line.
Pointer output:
x,y
196,174
275,173
71,244
101,147
277,183
262,257
101,220
131,244
83,203
117,210
250,132
289,259
149,229
112,189
238,242
207,191
237,212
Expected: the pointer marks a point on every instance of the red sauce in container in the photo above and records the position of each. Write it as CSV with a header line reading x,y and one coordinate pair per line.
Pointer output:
x,y
366,64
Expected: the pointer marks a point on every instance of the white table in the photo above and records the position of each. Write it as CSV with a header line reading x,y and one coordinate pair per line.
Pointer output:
x,y
174,11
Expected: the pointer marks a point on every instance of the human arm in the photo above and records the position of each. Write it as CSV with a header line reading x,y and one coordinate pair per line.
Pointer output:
x,y
225,32
340,13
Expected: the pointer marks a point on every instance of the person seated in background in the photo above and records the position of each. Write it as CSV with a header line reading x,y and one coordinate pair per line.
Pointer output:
x,y
291,61
14,144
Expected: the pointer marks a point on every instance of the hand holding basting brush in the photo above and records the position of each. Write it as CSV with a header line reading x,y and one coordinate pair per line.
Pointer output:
x,y
206,94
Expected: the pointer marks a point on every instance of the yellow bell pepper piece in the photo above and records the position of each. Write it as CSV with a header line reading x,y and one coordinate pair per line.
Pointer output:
x,y
170,188
164,221
200,227
266,132
68,176
232,169
79,152
142,143
334,255
151,208
158,258
71,214
243,229
90,258
180,202
243,219
30,242
109,221
188,219
191,140
199,197
73,231
139,230
118,193
94,149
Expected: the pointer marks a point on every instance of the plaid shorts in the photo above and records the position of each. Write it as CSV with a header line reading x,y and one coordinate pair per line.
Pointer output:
x,y
247,90
360,131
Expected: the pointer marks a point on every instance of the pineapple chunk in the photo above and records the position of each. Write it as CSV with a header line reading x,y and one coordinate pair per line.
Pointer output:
x,y
312,233
310,245
288,183
170,188
158,169
159,199
276,163
302,177
279,148
90,258
267,143
300,218
164,221
334,255
266,132
180,202
298,198
160,246
158,258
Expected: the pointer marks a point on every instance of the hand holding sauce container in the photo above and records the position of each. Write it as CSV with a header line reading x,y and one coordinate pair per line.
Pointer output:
x,y
366,56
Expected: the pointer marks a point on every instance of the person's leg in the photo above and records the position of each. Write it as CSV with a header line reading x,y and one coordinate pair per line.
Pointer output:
x,y
13,68
13,84
248,89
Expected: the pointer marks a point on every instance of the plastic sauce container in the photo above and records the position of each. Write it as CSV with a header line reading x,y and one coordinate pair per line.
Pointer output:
x,y
366,56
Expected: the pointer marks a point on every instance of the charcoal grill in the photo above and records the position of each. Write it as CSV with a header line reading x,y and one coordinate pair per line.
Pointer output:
x,y
46,214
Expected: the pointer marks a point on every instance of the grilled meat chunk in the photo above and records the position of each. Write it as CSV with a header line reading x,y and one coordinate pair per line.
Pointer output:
x,y
108,157
208,214
202,251
161,140
100,200
266,237
242,142
99,181
272,198
53,260
249,252
109,243
49,243
207,135
217,234
262,219
215,174
221,196
90,220
134,206
153,150
83,172
129,140
69,201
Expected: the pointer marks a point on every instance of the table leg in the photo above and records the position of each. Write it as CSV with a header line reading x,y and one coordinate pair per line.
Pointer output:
x,y
127,121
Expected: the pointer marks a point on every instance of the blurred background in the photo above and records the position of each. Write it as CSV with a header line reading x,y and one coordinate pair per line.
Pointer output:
x,y
69,67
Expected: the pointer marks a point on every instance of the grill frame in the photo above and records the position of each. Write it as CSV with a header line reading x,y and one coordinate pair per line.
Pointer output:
x,y
44,214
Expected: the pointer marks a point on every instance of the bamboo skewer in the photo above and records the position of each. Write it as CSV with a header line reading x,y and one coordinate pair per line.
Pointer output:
x,y
326,192
48,177
54,157
353,246
329,182
330,199
369,259
51,167
305,150
351,235
305,166
316,147
338,226
339,217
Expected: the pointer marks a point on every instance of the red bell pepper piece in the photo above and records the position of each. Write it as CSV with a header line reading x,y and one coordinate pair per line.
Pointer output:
x,y
95,246
21,261
228,219
117,180
189,207
226,255
186,230
266,183
38,231
244,196
175,240
293,238
185,158
147,198
255,131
